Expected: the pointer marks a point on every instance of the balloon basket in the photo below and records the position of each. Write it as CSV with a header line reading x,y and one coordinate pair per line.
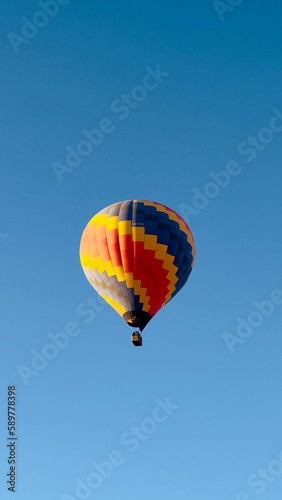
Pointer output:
x,y
136,339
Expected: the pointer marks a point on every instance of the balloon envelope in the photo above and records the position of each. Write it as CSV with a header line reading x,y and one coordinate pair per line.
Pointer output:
x,y
137,254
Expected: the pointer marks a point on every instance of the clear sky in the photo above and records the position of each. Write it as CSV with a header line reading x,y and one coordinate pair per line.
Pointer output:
x,y
175,92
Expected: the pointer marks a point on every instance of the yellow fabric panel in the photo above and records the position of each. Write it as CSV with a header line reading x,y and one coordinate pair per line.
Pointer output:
x,y
148,203
92,221
137,287
112,222
160,251
129,279
168,261
150,242
171,275
83,260
124,227
99,265
100,220
119,273
114,303
142,295
110,270
191,241
146,305
88,261
171,288
138,233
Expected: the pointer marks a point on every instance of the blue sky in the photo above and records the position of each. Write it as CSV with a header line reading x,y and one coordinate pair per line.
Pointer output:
x,y
205,387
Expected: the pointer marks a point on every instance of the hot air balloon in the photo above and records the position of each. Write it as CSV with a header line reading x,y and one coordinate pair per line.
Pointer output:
x,y
137,254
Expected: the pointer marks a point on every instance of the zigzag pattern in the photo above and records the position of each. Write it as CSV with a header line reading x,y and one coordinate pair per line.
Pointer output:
x,y
137,254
